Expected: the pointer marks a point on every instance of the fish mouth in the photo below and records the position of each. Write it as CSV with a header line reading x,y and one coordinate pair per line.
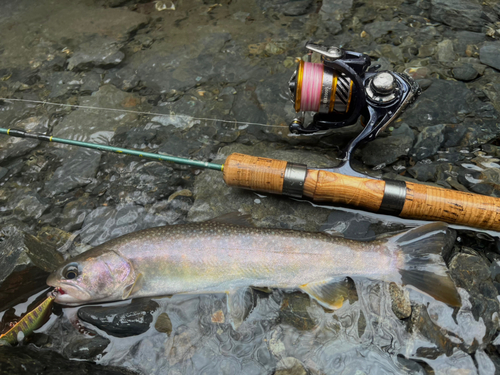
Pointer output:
x,y
69,294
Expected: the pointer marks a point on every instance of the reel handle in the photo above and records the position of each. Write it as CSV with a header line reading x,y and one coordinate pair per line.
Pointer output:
x,y
405,199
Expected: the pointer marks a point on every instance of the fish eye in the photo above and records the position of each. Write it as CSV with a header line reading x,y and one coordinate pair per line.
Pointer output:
x,y
70,272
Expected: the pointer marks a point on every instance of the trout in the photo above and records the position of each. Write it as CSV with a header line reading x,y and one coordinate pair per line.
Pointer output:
x,y
217,257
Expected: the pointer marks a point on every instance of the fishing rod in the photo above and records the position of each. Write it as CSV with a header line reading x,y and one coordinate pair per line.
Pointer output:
x,y
339,90
405,199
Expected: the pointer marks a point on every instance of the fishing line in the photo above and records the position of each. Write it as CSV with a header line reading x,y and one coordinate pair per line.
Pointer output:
x,y
235,122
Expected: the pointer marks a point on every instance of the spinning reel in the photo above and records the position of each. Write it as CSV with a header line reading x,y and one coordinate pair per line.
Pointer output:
x,y
341,89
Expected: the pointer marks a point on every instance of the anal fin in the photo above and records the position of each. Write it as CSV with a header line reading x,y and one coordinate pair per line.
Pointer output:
x,y
329,293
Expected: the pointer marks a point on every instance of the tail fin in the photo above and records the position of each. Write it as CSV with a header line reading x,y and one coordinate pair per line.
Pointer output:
x,y
424,267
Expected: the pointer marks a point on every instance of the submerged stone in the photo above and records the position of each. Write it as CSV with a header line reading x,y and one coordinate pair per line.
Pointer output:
x,y
121,321
86,348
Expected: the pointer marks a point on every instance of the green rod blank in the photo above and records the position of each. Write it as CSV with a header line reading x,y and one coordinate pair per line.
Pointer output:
x,y
148,155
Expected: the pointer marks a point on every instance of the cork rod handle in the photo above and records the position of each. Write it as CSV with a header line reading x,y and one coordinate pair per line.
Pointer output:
x,y
417,201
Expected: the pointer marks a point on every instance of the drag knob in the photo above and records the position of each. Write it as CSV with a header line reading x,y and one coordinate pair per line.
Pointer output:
x,y
383,84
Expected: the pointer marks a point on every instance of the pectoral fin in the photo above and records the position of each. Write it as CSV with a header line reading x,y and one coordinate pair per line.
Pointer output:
x,y
330,293
239,305
134,287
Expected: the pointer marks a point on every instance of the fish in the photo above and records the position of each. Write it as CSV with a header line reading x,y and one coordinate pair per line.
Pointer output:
x,y
223,256
30,322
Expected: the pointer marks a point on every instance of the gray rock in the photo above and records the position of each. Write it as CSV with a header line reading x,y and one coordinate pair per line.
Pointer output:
x,y
12,147
489,54
332,13
78,169
444,102
61,83
91,83
445,51
99,126
386,150
75,212
121,321
23,359
463,39
381,28
86,348
460,14
472,273
297,7
26,262
429,141
30,207
99,52
465,72
106,223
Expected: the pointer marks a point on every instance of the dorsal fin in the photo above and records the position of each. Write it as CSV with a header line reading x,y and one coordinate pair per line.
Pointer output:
x,y
234,218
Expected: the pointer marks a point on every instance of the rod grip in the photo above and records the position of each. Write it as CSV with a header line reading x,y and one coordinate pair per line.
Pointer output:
x,y
451,206
255,173
421,202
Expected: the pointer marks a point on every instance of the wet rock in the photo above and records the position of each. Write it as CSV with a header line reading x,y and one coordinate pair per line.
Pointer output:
x,y
290,366
106,223
298,8
401,305
465,72
386,150
26,262
472,273
74,213
78,169
121,321
86,348
294,311
99,52
429,140
30,207
27,359
99,126
61,83
164,324
12,147
445,51
460,14
444,102
489,55
332,13
91,82
379,29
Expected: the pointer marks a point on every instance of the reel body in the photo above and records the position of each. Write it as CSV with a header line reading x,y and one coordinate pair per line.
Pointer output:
x,y
341,89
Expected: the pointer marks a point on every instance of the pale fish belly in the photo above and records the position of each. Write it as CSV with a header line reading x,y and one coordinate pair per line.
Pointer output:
x,y
218,258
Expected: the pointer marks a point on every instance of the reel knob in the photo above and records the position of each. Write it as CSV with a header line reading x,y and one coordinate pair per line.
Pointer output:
x,y
383,84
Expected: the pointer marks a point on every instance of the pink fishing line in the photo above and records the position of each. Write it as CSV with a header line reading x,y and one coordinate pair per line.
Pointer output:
x,y
311,87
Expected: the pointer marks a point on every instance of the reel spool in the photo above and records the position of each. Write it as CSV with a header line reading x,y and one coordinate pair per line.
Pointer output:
x,y
342,88
320,88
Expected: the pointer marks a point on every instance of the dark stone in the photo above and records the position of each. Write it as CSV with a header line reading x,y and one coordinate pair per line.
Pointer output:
x,y
164,324
489,54
400,301
472,273
463,39
429,141
99,52
106,223
460,14
294,311
86,348
465,72
74,213
442,103
121,321
91,83
379,29
12,147
62,83
78,169
297,7
25,264
386,150
28,359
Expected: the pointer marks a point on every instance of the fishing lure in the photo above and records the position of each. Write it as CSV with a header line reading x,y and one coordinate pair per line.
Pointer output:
x,y
31,321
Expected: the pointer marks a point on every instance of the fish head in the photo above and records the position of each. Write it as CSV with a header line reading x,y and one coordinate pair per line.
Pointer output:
x,y
92,278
